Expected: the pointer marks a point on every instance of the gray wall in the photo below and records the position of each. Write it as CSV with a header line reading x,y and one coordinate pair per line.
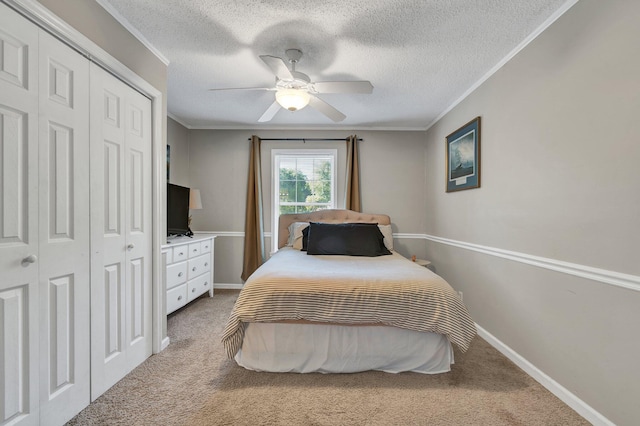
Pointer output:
x,y
560,157
392,172
178,140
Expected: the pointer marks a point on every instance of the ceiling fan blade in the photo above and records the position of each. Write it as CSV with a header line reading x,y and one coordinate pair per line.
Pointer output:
x,y
278,67
242,88
343,86
270,112
326,109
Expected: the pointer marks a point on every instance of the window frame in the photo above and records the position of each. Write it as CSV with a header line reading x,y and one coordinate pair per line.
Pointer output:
x,y
276,155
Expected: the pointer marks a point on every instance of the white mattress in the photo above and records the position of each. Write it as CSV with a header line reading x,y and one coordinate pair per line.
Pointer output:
x,y
306,348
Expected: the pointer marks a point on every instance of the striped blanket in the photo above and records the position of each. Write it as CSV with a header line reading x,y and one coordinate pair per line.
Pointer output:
x,y
349,290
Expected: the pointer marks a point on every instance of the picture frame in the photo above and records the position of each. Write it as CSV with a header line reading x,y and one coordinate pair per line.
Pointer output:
x,y
462,162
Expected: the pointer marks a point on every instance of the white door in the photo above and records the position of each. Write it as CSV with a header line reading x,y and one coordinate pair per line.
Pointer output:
x,y
64,232
138,226
120,230
19,367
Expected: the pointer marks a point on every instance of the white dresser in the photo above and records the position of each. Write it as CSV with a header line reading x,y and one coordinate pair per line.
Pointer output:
x,y
189,271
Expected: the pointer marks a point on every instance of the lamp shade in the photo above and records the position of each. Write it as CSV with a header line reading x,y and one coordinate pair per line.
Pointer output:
x,y
292,99
195,203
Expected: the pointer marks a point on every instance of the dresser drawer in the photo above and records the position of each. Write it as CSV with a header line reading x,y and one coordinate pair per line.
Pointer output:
x,y
169,256
176,298
199,265
180,253
198,286
194,249
176,274
205,247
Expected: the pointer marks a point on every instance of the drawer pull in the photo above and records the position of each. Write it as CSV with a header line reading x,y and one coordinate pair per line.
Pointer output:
x,y
206,263
193,290
179,274
195,250
194,269
181,254
206,283
180,297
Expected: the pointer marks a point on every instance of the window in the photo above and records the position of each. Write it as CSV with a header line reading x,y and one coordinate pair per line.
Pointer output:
x,y
303,181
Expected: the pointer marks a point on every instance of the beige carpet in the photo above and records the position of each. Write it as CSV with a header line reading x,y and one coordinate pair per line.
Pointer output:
x,y
192,383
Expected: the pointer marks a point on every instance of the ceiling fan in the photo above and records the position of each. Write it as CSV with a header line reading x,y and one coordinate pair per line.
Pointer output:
x,y
295,90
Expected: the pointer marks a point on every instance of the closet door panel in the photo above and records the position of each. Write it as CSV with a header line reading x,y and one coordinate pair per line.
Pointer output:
x,y
18,402
136,297
114,310
138,225
64,231
108,238
111,294
121,229
18,220
15,165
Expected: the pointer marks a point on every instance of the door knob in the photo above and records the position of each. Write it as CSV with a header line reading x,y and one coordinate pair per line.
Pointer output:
x,y
29,259
130,247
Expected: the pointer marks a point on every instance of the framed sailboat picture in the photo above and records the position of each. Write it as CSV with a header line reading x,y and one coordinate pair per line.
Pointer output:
x,y
463,157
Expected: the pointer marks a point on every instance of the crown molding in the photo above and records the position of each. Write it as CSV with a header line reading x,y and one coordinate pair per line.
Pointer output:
x,y
309,128
133,30
179,121
546,24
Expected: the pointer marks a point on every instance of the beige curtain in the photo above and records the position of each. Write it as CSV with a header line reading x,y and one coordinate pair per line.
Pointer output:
x,y
254,221
352,193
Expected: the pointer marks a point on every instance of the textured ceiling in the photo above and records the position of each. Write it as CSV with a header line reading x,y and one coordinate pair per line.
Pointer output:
x,y
420,55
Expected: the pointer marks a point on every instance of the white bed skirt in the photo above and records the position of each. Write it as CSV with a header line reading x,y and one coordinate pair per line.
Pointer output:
x,y
307,348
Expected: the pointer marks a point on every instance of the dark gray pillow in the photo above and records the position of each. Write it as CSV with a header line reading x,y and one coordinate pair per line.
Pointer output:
x,y
305,235
305,238
349,239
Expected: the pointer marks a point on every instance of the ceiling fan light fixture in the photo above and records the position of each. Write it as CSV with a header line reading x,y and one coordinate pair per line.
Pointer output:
x,y
292,99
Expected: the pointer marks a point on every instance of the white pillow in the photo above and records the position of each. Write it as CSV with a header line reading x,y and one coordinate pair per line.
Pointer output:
x,y
388,236
295,234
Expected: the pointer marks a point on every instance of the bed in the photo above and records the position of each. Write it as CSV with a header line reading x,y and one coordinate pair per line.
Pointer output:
x,y
336,298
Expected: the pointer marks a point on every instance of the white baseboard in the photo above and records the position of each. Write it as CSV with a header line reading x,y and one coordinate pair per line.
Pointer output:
x,y
581,407
227,286
165,343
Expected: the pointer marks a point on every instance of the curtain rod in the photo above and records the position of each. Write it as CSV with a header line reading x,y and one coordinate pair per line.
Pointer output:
x,y
304,139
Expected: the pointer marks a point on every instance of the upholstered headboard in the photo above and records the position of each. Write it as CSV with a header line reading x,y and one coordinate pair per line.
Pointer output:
x,y
326,216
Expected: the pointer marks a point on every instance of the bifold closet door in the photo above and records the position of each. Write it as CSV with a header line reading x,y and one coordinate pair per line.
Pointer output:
x,y
64,260
121,238
19,367
44,221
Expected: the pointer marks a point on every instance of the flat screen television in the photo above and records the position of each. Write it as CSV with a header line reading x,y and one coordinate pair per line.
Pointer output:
x,y
177,210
